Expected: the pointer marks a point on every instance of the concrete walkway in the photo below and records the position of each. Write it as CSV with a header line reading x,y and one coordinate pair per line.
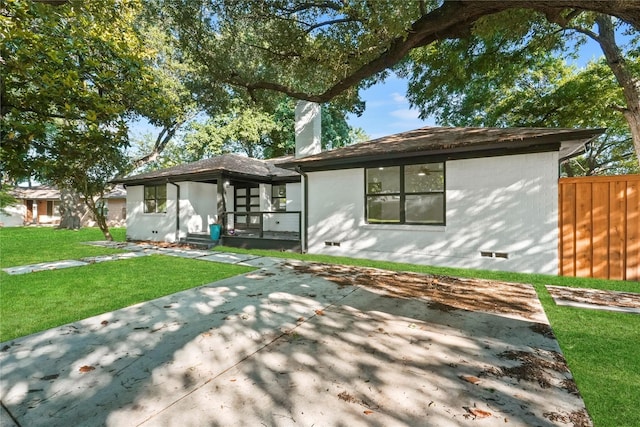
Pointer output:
x,y
134,250
284,346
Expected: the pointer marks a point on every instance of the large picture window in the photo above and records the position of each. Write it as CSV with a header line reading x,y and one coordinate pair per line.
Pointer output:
x,y
155,199
406,194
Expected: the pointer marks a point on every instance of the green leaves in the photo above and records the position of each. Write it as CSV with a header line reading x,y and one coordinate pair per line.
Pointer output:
x,y
515,70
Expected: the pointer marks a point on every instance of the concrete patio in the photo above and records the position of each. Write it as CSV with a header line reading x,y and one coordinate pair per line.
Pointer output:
x,y
300,344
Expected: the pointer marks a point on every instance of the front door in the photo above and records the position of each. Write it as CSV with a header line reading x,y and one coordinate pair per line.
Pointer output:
x,y
247,198
29,218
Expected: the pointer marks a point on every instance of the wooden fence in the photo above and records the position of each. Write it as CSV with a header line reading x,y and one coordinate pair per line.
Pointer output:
x,y
600,227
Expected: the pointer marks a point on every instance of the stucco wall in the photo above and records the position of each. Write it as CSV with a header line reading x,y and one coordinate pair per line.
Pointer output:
x,y
499,204
117,211
282,222
198,207
159,227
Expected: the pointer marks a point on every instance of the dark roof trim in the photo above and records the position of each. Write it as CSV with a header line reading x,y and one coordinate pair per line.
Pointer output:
x,y
450,143
428,157
209,176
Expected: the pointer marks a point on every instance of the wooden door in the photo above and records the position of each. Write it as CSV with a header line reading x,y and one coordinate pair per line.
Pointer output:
x,y
29,218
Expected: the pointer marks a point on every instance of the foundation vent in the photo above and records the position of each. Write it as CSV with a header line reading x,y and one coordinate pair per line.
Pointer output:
x,y
489,254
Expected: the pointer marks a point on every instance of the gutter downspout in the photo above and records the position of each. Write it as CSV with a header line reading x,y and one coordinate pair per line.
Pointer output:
x,y
177,210
305,208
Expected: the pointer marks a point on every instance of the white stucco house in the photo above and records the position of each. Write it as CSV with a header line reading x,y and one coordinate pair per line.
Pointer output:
x,y
256,203
462,197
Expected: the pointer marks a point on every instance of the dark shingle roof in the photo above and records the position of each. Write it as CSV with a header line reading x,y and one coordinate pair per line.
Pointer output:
x,y
45,192
211,168
430,141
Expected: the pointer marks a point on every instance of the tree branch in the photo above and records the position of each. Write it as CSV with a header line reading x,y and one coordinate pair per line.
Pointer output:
x,y
312,5
162,140
324,24
584,31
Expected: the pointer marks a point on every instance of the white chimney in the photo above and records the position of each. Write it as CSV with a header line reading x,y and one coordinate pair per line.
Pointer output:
x,y
307,127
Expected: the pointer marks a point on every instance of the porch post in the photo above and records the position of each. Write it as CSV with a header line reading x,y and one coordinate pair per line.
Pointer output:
x,y
221,201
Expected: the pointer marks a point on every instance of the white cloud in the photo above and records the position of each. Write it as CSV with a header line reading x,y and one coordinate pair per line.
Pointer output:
x,y
399,98
405,114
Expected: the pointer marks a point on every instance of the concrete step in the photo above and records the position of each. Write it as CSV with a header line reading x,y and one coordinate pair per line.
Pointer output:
x,y
199,240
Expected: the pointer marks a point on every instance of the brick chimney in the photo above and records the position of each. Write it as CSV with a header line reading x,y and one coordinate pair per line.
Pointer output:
x,y
307,128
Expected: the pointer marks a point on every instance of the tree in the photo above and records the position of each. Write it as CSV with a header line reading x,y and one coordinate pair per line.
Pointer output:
x,y
255,133
457,82
335,131
75,75
171,72
6,199
326,50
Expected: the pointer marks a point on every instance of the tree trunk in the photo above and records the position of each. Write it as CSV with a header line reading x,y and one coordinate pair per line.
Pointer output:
x,y
71,209
99,216
629,82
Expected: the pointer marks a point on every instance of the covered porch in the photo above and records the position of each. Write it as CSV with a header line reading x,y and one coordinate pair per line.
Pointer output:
x,y
250,203
279,230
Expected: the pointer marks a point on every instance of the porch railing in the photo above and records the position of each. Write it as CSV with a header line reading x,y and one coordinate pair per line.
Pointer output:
x,y
261,222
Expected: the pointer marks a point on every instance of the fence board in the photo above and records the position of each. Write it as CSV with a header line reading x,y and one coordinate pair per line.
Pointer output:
x,y
633,231
584,245
599,220
567,230
617,236
600,234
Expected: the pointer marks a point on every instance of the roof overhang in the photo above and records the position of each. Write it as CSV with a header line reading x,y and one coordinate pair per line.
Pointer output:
x,y
205,176
497,142
210,170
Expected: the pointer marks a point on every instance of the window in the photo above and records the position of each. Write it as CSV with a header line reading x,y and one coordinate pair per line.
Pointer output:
x,y
279,197
155,199
407,194
53,208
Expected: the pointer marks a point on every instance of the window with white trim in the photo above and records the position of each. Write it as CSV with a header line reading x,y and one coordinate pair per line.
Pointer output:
x,y
406,194
155,199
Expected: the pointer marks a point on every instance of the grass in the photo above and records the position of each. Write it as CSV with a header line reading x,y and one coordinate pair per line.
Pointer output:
x,y
602,348
31,245
35,302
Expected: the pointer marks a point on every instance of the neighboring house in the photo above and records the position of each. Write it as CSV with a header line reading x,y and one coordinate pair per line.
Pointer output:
x,y
464,197
115,203
41,205
35,205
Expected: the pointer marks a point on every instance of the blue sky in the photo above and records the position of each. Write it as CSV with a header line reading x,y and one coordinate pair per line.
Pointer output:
x,y
388,111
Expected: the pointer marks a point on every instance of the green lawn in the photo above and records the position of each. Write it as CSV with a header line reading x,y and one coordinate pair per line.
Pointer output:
x,y
602,348
30,245
34,302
